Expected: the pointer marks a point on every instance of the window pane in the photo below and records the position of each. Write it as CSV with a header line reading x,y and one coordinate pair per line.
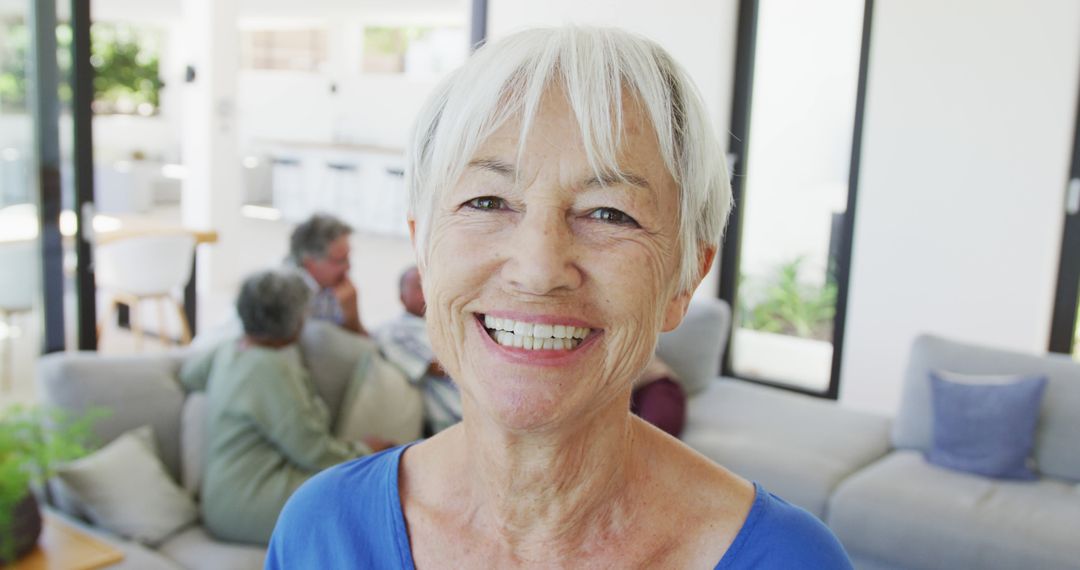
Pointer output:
x,y
805,82
20,315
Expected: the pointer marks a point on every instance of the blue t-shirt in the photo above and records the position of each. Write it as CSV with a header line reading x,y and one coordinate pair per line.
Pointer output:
x,y
350,516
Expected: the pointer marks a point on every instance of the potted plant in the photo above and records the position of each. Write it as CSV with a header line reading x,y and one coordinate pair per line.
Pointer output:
x,y
34,441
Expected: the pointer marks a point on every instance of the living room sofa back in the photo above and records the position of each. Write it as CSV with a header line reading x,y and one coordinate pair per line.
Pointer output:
x,y
1056,452
144,390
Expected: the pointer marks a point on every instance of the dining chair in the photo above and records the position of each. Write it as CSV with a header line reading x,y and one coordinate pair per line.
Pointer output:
x,y
146,267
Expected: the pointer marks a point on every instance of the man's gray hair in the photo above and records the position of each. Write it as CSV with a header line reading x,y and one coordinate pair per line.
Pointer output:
x,y
272,304
595,67
312,238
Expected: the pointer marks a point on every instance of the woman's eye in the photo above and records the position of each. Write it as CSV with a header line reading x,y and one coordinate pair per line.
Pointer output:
x,y
486,203
613,216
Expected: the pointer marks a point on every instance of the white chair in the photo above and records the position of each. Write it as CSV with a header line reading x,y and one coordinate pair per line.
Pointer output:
x,y
147,267
18,286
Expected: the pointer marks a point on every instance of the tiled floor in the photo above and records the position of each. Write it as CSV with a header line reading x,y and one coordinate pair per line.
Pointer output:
x,y
377,261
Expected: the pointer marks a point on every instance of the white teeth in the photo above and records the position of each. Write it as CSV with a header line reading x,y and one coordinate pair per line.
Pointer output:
x,y
520,334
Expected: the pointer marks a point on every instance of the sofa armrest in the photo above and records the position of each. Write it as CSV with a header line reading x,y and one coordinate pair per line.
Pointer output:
x,y
694,349
134,390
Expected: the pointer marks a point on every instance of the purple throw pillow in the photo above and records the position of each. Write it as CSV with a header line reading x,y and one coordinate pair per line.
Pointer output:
x,y
985,428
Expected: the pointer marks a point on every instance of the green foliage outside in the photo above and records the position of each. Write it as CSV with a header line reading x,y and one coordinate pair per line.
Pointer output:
x,y
33,443
125,71
125,62
790,307
1076,338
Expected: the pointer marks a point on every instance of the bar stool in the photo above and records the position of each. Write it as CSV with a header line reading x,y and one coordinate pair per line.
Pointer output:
x,y
146,267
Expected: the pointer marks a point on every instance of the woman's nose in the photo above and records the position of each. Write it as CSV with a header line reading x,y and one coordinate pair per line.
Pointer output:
x,y
541,257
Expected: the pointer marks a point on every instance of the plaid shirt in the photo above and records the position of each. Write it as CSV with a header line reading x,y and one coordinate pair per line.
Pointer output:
x,y
404,342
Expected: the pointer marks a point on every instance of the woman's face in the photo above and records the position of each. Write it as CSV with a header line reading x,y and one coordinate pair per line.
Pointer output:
x,y
547,286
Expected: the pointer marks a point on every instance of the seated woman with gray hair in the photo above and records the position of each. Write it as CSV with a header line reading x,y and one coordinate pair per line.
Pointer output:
x,y
567,195
267,430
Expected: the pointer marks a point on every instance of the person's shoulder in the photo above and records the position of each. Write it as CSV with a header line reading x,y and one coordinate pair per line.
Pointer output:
x,y
364,480
777,534
342,516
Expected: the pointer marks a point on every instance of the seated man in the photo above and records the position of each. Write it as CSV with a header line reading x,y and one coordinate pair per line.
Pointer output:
x,y
267,430
657,398
319,247
404,342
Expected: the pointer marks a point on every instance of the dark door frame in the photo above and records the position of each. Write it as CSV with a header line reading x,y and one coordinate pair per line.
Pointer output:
x,y
82,88
738,145
45,111
1063,325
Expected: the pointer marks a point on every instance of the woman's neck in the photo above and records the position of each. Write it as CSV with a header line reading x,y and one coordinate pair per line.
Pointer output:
x,y
551,494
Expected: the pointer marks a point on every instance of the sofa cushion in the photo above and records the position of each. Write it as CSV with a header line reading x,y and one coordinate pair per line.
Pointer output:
x,y
196,549
330,354
694,349
1059,427
124,488
985,425
796,446
193,442
380,401
136,390
906,513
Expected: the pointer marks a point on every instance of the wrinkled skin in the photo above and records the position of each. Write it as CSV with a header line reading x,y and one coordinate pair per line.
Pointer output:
x,y
547,242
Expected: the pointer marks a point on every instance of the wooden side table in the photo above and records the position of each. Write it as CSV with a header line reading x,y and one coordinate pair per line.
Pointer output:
x,y
64,547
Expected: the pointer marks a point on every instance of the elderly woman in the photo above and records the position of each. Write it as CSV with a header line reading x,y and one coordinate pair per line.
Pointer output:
x,y
268,432
567,197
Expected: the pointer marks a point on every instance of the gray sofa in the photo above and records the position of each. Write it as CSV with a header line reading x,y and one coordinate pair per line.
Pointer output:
x,y
144,390
901,512
889,508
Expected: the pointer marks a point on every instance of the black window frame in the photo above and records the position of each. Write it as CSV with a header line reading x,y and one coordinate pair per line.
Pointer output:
x,y
738,145
1067,296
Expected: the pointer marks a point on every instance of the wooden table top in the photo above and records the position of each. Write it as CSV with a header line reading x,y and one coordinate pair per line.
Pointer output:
x,y
64,547
107,228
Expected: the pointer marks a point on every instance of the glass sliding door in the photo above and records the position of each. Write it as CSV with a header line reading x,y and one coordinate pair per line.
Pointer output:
x,y
23,330
786,261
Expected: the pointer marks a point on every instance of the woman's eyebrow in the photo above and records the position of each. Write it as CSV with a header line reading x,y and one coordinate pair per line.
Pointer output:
x,y
615,178
494,165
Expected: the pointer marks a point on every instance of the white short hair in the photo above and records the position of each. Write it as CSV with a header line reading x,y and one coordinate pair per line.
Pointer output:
x,y
595,67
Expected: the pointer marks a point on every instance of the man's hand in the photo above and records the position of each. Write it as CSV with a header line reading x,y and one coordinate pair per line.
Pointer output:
x,y
349,298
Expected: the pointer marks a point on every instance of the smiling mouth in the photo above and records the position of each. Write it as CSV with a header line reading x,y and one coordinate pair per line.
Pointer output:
x,y
533,336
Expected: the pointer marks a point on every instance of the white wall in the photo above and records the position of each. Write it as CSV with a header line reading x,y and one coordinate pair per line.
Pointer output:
x,y
970,112
699,35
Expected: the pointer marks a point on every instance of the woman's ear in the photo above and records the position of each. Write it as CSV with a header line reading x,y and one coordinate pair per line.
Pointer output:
x,y
412,231
676,307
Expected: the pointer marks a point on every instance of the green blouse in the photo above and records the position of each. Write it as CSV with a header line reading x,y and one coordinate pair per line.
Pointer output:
x,y
267,432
